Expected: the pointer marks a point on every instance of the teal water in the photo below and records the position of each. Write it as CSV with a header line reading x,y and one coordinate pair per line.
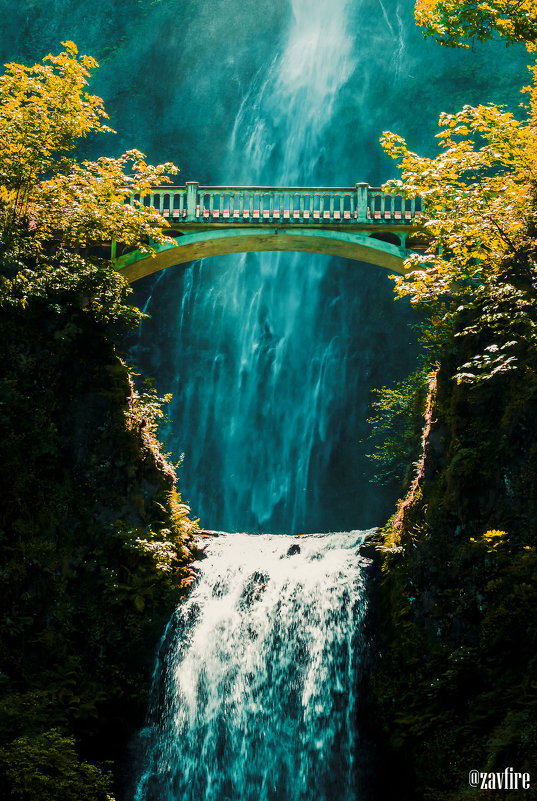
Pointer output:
x,y
273,377
272,357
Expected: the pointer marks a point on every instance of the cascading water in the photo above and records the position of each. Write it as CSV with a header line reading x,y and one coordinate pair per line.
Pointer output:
x,y
254,696
271,349
255,690
256,687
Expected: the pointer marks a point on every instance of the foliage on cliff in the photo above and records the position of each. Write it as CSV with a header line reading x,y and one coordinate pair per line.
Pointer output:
x,y
95,542
454,23
456,685
45,111
396,425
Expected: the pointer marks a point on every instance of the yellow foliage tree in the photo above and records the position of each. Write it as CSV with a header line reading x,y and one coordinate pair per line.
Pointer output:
x,y
45,111
477,194
454,22
479,208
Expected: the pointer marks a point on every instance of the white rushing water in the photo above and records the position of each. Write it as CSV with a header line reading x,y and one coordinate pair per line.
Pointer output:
x,y
254,695
280,131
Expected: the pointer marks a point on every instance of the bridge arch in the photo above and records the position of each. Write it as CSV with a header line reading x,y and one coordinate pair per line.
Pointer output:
x,y
191,246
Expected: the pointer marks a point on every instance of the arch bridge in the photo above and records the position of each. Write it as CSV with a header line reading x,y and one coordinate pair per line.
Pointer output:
x,y
359,222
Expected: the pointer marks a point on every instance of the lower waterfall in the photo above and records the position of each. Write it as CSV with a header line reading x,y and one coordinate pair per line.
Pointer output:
x,y
255,689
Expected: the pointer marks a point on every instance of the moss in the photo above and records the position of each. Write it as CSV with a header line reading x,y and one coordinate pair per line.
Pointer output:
x,y
455,687
95,542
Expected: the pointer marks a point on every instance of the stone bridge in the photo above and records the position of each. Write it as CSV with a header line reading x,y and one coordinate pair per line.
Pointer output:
x,y
359,222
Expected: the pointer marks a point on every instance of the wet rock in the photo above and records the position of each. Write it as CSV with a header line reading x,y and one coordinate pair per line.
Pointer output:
x,y
253,589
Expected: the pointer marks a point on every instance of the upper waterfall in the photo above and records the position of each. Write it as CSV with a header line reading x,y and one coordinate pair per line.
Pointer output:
x,y
283,119
272,352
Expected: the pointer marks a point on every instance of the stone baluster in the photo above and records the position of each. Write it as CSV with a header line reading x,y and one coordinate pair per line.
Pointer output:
x,y
309,208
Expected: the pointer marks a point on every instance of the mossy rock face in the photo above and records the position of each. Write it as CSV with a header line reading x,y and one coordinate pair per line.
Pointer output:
x,y
455,687
46,767
95,542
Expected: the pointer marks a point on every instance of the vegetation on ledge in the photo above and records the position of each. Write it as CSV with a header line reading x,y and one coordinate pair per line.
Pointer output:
x,y
95,542
455,687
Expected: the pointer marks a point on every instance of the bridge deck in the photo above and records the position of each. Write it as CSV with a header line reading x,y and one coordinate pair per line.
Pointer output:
x,y
287,215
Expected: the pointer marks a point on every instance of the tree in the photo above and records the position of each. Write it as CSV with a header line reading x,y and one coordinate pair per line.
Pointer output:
x,y
454,22
457,593
95,541
45,193
478,199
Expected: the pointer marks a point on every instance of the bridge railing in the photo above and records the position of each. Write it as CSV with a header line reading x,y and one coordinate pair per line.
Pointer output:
x,y
268,204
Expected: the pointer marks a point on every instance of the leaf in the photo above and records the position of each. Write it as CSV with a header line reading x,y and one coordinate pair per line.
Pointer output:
x,y
139,603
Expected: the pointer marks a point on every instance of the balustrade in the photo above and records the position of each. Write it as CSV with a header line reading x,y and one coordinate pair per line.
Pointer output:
x,y
261,204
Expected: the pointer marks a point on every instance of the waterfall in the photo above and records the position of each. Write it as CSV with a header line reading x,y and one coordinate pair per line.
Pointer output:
x,y
256,685
257,681
271,349
255,690
280,131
